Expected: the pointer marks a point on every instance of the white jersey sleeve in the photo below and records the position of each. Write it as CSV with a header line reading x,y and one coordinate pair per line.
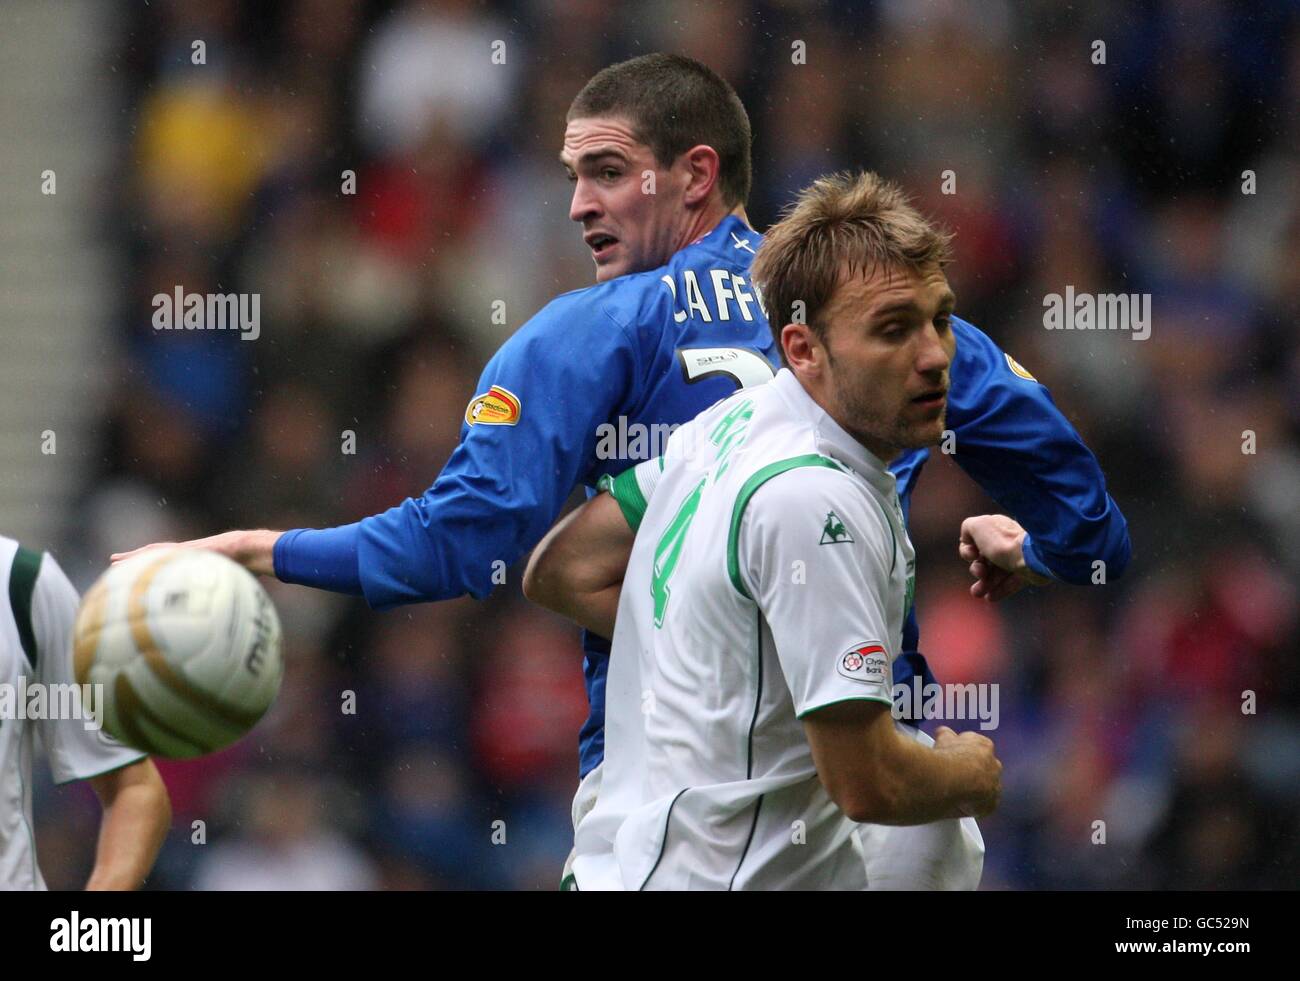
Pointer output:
x,y
75,752
817,554
633,488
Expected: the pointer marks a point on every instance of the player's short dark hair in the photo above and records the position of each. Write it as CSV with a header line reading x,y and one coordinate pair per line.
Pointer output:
x,y
673,104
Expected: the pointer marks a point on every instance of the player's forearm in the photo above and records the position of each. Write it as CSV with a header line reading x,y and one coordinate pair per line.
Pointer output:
x,y
587,594
923,784
136,817
254,550
577,569
876,775
594,611
1076,560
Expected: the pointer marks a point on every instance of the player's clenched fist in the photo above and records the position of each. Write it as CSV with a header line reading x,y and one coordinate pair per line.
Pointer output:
x,y
982,770
993,544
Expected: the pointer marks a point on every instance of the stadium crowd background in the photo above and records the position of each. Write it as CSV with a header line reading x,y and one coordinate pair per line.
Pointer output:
x,y
1119,703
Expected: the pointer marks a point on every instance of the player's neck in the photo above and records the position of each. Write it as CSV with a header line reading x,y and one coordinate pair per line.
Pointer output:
x,y
708,219
824,396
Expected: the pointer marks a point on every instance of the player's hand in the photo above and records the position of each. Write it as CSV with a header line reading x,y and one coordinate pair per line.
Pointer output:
x,y
251,549
993,545
983,770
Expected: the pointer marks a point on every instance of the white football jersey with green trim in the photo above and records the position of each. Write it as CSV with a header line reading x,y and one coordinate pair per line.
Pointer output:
x,y
770,577
37,608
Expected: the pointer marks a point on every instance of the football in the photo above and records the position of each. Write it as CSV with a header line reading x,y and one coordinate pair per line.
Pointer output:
x,y
186,645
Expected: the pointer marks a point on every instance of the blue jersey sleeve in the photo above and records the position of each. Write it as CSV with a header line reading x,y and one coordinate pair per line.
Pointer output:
x,y
529,438
322,557
1013,440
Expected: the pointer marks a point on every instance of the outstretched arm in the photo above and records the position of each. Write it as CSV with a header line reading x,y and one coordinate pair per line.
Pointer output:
x,y
529,436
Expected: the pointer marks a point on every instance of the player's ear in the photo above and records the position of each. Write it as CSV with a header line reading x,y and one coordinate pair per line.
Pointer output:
x,y
702,166
803,352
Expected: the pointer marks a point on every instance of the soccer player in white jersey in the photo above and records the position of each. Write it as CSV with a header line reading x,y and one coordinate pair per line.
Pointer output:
x,y
748,708
36,625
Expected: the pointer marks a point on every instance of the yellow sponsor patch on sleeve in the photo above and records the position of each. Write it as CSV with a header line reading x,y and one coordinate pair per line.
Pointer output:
x,y
495,407
1019,369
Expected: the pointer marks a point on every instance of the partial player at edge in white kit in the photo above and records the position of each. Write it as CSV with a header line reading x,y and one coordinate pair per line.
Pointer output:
x,y
36,619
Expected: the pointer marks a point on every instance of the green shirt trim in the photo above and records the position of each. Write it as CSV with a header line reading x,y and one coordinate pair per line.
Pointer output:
x,y
663,842
22,584
850,698
755,481
627,492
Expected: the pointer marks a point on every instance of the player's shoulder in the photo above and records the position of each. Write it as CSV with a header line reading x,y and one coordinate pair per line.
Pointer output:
x,y
36,583
780,462
971,341
812,503
792,476
641,303
19,563
54,597
981,361
792,487
628,301
37,593
12,554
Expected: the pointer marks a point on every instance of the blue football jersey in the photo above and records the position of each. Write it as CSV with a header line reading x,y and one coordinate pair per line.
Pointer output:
x,y
589,386
593,383
586,387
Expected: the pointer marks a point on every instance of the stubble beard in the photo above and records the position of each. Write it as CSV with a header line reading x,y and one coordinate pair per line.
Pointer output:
x,y
890,434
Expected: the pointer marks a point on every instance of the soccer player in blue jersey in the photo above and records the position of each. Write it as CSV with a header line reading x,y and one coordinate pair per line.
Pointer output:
x,y
658,148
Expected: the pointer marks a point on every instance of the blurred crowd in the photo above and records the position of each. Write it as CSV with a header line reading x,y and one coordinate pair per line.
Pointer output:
x,y
1120,703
